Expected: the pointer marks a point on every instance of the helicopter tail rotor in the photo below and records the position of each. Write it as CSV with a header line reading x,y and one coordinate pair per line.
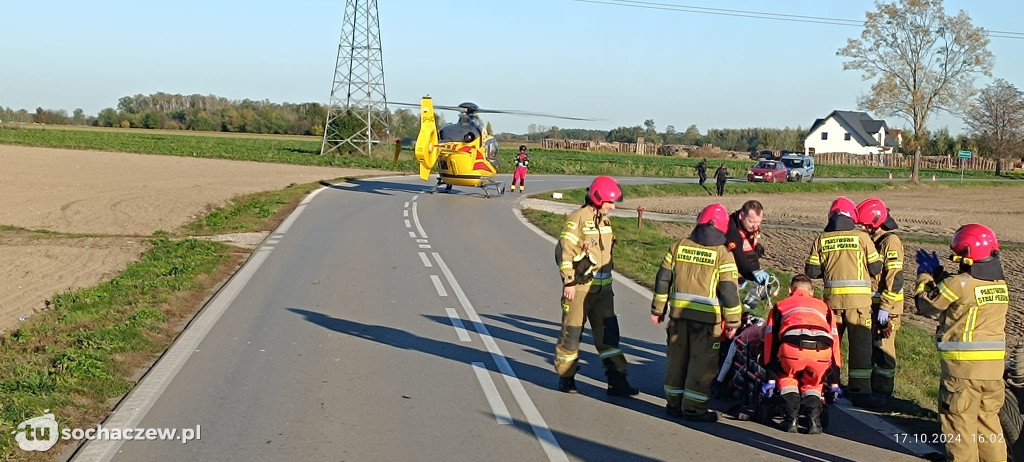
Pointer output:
x,y
426,143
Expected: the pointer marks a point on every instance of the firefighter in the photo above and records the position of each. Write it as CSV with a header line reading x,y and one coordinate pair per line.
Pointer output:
x,y
886,299
971,340
522,164
743,240
801,344
697,280
845,258
584,256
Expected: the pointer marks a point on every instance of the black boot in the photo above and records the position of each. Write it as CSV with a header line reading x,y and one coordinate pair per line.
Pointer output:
x,y
867,400
618,385
813,406
567,384
673,411
792,413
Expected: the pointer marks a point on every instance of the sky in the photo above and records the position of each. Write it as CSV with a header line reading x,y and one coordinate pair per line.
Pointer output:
x,y
620,65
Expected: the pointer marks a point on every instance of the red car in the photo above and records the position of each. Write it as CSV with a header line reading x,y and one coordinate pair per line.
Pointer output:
x,y
767,170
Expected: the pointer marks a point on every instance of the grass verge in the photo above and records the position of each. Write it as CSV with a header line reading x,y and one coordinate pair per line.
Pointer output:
x,y
87,350
639,253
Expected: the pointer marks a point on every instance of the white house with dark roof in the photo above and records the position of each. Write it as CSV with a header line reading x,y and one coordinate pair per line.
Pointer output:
x,y
849,131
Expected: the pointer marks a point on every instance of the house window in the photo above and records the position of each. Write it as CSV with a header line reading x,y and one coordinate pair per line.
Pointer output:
x,y
846,137
824,135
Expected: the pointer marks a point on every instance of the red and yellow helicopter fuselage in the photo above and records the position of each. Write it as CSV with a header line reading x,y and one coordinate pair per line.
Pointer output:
x,y
463,152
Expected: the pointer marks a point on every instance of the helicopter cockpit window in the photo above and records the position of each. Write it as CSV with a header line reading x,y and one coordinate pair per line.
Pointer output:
x,y
491,151
464,131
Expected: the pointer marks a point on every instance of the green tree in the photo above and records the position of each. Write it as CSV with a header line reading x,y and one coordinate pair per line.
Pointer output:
x,y
691,136
924,60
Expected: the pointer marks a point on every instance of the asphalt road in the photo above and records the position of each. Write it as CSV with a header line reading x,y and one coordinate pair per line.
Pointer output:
x,y
387,324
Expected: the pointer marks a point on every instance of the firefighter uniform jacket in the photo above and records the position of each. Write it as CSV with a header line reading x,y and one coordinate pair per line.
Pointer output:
x,y
804,322
846,259
584,250
698,282
971,336
888,285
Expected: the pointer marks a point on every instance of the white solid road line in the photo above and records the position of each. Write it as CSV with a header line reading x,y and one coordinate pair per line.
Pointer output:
x,y
866,418
426,261
540,428
437,285
459,328
491,392
416,219
133,408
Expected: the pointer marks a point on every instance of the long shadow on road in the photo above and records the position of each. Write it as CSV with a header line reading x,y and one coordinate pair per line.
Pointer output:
x,y
380,187
544,378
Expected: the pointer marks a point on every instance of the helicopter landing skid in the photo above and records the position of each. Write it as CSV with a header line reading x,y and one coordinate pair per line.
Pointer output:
x,y
499,187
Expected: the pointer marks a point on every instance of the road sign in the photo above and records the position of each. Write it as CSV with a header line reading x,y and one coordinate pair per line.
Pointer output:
x,y
964,154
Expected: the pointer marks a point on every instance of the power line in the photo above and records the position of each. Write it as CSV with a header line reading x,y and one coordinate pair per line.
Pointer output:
x,y
759,15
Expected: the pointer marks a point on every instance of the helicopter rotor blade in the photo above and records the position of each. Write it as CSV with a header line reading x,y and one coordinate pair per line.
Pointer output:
x,y
498,111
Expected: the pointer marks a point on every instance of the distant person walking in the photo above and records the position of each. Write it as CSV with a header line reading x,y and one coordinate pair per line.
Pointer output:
x,y
720,176
702,171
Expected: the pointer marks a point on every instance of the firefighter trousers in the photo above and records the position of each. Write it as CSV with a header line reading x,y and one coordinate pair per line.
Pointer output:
x,y
692,358
857,322
598,307
883,358
969,415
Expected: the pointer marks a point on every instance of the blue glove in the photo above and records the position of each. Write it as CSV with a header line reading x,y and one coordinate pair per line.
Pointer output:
x,y
883,317
836,391
767,388
761,276
926,263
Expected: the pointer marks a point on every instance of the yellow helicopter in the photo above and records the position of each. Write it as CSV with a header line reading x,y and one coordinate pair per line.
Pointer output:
x,y
464,153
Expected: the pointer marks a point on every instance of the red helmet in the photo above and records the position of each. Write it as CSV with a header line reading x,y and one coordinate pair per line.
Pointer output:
x,y
604,189
872,213
974,241
844,206
717,215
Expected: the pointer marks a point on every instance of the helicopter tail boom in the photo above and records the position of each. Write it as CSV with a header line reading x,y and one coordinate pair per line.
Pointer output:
x,y
426,143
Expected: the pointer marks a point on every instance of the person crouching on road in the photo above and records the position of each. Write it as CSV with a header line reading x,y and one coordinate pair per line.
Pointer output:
x,y
887,300
801,345
584,256
697,282
971,339
522,164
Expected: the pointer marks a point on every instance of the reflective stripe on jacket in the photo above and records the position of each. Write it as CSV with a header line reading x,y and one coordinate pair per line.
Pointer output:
x,y
971,337
801,318
585,229
841,258
703,284
887,287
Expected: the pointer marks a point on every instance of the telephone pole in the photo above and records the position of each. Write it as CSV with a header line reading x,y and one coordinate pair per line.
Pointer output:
x,y
357,114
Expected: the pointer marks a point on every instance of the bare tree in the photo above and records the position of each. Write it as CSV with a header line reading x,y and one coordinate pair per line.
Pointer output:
x,y
925,62
997,119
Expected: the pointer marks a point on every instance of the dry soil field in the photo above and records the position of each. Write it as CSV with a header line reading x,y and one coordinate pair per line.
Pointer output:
x,y
117,199
792,221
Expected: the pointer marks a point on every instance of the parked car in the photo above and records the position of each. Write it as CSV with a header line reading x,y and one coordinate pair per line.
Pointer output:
x,y
768,171
799,167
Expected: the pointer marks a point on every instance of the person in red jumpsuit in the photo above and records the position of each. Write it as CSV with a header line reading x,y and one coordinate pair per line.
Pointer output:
x,y
522,164
801,344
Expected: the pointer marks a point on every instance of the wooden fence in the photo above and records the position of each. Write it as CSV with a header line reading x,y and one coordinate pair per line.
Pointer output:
x,y
950,162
